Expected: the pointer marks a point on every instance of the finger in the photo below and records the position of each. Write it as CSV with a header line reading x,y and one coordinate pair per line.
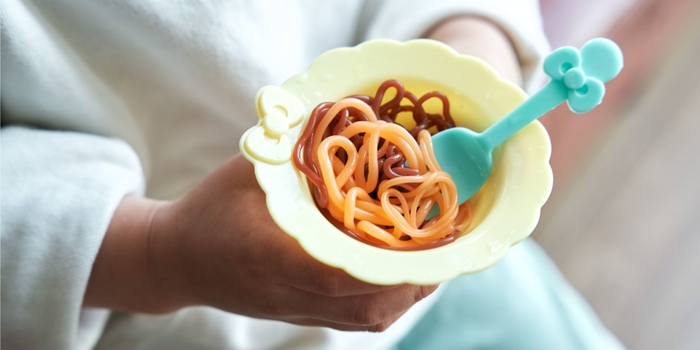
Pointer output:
x,y
358,310
313,322
386,323
328,281
313,276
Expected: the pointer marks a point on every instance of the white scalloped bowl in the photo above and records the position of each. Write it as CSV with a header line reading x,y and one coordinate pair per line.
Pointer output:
x,y
506,209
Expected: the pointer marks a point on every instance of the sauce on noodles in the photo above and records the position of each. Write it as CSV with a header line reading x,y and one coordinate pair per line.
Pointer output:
x,y
374,179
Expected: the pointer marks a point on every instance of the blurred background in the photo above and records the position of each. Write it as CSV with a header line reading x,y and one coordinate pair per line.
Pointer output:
x,y
623,221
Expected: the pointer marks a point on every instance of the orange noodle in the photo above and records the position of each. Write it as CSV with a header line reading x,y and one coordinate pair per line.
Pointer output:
x,y
374,179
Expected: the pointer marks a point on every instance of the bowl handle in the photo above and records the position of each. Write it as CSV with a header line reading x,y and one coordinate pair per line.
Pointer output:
x,y
278,111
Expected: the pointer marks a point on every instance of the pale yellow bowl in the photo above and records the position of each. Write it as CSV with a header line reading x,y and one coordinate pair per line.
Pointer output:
x,y
506,209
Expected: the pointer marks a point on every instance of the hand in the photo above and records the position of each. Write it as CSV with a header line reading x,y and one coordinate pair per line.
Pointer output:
x,y
479,37
238,260
218,246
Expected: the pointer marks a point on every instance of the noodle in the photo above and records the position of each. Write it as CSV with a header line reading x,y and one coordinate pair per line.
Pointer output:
x,y
374,179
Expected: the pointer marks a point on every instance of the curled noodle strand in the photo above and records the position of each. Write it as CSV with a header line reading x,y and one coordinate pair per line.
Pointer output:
x,y
374,179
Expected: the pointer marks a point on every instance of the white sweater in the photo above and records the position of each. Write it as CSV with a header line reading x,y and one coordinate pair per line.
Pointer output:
x,y
101,99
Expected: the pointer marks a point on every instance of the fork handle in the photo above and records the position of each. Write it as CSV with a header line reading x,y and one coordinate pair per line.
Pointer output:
x,y
544,100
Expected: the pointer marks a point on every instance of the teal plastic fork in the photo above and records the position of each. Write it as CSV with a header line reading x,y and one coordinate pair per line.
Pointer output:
x,y
577,77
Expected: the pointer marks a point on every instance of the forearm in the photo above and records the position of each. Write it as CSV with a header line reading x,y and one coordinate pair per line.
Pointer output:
x,y
481,38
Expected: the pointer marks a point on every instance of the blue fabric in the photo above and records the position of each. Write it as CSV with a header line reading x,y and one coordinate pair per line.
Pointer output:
x,y
522,303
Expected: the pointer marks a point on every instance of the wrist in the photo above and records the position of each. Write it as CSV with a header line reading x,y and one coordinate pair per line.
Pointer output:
x,y
168,274
135,267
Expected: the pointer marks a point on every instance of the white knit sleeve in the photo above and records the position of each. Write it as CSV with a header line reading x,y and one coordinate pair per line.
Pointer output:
x,y
59,192
408,19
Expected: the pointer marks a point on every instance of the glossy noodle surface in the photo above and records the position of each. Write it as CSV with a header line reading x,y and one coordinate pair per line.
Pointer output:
x,y
374,179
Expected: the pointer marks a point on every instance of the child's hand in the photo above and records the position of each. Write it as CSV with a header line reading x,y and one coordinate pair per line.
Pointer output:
x,y
479,37
218,246
236,258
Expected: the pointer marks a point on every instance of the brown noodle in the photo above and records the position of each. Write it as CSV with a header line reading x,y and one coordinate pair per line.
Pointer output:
x,y
374,179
